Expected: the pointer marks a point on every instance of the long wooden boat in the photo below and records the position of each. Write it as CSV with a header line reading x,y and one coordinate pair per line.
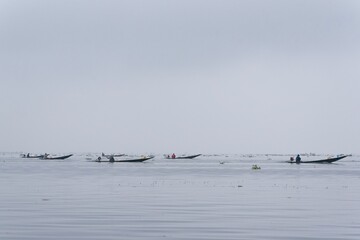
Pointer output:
x,y
189,157
182,157
45,157
327,160
142,159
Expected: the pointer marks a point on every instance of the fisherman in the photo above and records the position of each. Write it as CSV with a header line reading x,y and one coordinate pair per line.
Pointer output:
x,y
298,158
173,155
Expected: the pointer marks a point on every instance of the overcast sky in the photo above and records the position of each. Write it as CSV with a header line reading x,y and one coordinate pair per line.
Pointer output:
x,y
195,76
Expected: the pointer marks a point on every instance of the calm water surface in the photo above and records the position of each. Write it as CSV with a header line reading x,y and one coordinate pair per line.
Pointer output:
x,y
179,199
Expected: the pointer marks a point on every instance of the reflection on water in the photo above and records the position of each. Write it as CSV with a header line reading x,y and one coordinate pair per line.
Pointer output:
x,y
179,199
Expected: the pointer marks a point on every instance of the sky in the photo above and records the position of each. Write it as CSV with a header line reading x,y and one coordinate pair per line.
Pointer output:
x,y
199,76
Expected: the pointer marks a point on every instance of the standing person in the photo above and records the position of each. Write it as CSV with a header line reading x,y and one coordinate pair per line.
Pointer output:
x,y
173,155
298,158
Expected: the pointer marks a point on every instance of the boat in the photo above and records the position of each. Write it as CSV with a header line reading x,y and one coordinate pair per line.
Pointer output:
x,y
141,159
188,157
327,160
31,156
47,157
182,157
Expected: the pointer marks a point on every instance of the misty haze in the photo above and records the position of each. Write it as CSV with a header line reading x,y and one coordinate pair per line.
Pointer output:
x,y
179,119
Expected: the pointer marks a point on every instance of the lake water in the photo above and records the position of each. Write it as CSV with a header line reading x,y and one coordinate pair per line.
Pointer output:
x,y
179,199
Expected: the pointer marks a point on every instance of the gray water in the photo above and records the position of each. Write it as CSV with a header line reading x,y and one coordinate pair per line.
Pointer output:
x,y
179,199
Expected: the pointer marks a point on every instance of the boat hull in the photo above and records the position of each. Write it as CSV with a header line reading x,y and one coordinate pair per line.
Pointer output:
x,y
57,158
328,160
185,157
126,160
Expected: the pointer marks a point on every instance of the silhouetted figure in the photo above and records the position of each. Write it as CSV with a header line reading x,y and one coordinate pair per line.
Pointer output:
x,y
298,159
173,155
111,159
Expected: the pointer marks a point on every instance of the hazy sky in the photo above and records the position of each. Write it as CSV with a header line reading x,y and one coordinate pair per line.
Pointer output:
x,y
193,76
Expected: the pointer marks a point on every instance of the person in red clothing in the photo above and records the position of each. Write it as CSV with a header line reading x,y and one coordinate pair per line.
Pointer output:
x,y
173,155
